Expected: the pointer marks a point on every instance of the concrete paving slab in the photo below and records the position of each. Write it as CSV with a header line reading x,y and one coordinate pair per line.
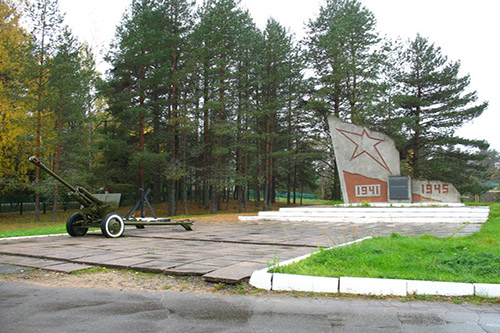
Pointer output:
x,y
9,269
52,265
156,266
6,259
190,269
64,254
125,262
233,273
36,262
217,262
67,267
101,259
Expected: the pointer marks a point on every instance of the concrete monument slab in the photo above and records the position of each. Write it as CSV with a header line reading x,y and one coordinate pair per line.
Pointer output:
x,y
369,169
433,190
365,160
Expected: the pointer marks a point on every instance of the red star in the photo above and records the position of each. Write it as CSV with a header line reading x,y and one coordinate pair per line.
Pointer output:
x,y
365,144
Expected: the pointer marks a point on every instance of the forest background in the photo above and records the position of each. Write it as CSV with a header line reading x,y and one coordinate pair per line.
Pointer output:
x,y
199,104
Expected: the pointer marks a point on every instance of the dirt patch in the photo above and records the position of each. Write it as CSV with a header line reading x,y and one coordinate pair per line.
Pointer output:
x,y
125,280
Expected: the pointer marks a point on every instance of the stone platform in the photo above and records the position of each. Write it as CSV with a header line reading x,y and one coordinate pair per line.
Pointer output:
x,y
395,213
226,251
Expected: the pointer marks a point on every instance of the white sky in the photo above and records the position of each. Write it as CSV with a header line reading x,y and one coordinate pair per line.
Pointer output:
x,y
466,30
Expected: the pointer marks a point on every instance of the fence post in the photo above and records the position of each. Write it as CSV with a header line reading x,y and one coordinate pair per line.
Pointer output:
x,y
44,208
21,208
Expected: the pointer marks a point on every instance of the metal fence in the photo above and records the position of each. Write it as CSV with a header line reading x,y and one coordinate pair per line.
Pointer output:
x,y
26,203
283,195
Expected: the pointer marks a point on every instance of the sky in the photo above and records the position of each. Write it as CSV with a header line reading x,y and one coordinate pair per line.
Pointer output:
x,y
467,31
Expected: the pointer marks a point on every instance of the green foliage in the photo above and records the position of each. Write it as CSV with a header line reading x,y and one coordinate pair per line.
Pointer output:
x,y
344,51
200,100
15,78
431,102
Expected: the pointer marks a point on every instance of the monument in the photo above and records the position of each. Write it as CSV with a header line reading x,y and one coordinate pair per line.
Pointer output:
x,y
369,169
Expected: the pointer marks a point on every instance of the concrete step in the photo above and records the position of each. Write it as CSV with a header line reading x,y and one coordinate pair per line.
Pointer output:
x,y
361,213
376,215
362,220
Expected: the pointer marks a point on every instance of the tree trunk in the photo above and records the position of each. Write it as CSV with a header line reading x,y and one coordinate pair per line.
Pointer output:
x,y
206,145
267,166
184,167
213,206
57,164
172,203
294,184
142,99
157,172
41,77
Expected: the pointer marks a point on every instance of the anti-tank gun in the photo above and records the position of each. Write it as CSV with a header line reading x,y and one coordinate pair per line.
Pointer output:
x,y
95,213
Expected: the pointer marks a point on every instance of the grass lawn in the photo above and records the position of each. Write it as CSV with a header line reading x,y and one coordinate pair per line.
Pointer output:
x,y
474,258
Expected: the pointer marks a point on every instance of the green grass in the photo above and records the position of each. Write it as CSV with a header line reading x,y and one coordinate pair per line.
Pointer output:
x,y
58,229
474,258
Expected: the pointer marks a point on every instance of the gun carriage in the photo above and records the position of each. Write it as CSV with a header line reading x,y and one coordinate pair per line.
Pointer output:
x,y
97,213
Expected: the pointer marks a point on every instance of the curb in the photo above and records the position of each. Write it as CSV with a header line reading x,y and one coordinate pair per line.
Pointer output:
x,y
28,237
366,286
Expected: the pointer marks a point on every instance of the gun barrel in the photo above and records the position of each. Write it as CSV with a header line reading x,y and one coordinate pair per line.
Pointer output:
x,y
80,194
37,162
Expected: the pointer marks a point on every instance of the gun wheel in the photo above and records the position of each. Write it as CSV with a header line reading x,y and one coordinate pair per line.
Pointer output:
x,y
73,225
112,225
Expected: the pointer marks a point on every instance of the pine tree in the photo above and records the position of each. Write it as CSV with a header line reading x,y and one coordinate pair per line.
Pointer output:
x,y
178,20
433,101
345,53
144,93
277,60
342,45
46,19
131,77
69,97
218,32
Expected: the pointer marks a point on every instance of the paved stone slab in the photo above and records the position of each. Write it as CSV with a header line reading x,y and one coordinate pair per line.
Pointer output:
x,y
64,254
9,269
234,273
217,262
102,259
125,262
156,266
31,263
190,269
36,262
6,259
67,267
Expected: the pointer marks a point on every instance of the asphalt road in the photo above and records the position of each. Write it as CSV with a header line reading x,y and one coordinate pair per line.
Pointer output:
x,y
30,308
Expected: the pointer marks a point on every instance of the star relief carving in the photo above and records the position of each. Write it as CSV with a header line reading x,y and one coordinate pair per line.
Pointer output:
x,y
365,144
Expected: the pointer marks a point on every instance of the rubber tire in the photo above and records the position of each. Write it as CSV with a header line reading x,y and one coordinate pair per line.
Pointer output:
x,y
72,230
112,225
